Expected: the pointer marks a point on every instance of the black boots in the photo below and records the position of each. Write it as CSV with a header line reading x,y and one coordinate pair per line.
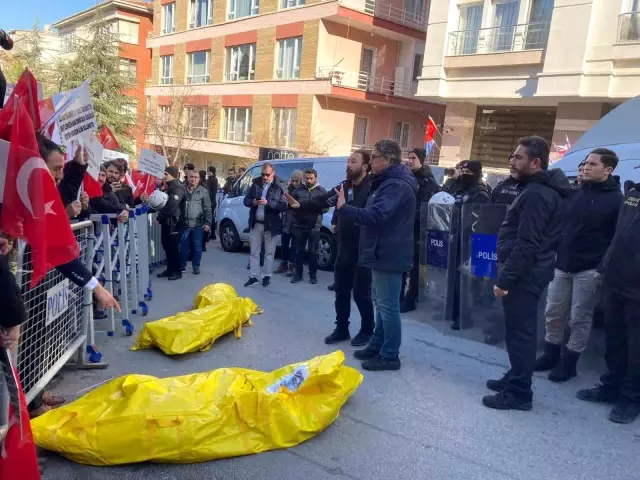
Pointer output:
x,y
566,368
549,359
340,334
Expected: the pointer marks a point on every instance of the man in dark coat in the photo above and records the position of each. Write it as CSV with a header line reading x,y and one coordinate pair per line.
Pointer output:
x,y
266,202
171,218
386,247
427,188
213,187
527,244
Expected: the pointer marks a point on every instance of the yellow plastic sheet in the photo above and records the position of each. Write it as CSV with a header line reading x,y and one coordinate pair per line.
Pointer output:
x,y
218,311
199,417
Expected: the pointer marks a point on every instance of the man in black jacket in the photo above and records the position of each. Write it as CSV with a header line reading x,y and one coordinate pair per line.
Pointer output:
x,y
589,225
386,247
213,186
7,44
427,188
527,244
307,221
266,202
621,291
171,219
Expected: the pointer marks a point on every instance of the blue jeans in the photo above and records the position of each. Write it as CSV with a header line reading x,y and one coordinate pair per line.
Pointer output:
x,y
191,238
386,298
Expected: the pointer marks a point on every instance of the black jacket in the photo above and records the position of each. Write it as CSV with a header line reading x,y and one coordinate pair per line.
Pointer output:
x,y
589,225
387,220
506,191
107,203
347,230
172,214
212,186
528,237
71,182
427,188
276,204
125,195
13,311
621,265
228,184
470,193
309,215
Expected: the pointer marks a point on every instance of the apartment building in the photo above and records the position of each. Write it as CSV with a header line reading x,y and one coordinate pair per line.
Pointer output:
x,y
132,23
296,77
509,68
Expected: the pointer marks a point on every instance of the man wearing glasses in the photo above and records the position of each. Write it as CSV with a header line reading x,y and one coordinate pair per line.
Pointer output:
x,y
266,201
386,247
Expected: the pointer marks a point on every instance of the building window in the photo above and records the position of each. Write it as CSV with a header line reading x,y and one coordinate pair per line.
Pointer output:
x,y
128,32
68,42
200,13
242,8
290,3
241,63
505,21
129,69
198,119
402,134
169,18
361,132
465,41
284,126
289,57
237,127
129,112
417,66
165,115
166,70
198,67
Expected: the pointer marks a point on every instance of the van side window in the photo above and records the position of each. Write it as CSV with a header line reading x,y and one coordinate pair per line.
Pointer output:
x,y
247,179
285,169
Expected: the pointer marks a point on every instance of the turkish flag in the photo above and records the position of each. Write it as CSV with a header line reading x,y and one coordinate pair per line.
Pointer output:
x,y
91,186
27,87
142,183
32,208
108,139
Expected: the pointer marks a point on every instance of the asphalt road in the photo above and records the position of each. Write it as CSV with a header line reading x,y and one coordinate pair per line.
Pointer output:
x,y
425,421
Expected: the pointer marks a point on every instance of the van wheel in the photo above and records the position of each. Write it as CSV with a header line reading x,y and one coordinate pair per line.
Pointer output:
x,y
229,238
326,251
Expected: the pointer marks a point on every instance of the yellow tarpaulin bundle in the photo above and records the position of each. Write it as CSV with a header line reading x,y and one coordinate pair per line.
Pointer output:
x,y
218,310
199,417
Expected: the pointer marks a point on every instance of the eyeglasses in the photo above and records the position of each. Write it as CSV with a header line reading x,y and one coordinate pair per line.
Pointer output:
x,y
267,175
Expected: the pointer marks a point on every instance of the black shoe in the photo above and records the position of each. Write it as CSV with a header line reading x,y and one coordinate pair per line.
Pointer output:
x,y
625,411
252,281
175,276
313,279
407,306
549,359
502,401
566,368
296,279
164,274
599,394
378,364
366,354
196,270
493,338
332,287
337,336
249,266
498,385
266,281
455,325
361,339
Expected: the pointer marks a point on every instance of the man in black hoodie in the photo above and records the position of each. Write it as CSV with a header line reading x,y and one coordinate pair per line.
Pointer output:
x,y
590,222
427,187
621,291
527,244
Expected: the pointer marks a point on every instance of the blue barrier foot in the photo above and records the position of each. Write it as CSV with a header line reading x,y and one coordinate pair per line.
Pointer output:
x,y
144,308
111,334
149,294
134,311
128,328
94,355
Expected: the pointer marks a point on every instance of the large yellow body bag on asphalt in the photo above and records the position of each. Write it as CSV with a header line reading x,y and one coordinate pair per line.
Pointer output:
x,y
218,311
204,416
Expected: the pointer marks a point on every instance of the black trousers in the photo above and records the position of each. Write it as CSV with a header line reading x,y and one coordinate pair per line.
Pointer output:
x,y
413,276
170,237
302,237
521,322
622,340
351,278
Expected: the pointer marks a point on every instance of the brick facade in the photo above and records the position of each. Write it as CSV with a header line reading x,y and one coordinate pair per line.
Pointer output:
x,y
309,49
265,54
261,121
304,122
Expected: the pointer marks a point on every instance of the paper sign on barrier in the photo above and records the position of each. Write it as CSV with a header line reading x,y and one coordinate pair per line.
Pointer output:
x,y
152,163
57,301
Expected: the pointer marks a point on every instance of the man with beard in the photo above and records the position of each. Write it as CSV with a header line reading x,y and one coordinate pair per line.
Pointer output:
x,y
427,187
116,180
526,249
229,181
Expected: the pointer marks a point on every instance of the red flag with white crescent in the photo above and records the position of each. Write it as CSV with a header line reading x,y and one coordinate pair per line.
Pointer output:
x,y
108,139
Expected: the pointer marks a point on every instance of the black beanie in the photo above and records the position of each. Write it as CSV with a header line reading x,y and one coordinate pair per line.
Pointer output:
x,y
474,165
173,171
421,153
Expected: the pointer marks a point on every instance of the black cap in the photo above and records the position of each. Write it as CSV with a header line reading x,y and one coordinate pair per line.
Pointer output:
x,y
474,165
173,171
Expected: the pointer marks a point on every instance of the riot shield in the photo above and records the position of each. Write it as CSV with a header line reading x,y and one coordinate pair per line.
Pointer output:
x,y
422,251
440,245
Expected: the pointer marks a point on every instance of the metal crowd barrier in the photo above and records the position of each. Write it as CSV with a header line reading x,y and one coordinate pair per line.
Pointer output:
x,y
157,256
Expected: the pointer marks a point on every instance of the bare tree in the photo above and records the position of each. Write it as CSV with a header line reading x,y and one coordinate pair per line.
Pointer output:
x,y
178,123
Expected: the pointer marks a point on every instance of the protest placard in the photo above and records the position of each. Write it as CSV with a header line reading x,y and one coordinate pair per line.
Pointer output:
x,y
95,153
79,117
152,163
113,155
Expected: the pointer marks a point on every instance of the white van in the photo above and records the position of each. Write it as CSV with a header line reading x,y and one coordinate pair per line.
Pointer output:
x,y
233,216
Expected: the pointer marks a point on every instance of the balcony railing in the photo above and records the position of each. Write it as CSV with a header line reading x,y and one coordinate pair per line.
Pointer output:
x,y
629,27
529,36
366,82
407,16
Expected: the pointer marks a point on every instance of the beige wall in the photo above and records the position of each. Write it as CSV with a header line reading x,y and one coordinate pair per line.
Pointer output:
x,y
457,135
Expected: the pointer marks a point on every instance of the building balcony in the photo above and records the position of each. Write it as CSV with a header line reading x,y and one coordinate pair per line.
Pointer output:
x,y
498,46
366,82
412,14
629,27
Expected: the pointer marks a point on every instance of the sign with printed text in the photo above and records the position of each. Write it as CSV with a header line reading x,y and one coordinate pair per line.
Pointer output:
x,y
438,248
152,163
57,301
113,154
484,255
79,117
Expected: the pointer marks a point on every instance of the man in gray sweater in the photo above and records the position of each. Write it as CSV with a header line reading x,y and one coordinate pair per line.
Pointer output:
x,y
198,215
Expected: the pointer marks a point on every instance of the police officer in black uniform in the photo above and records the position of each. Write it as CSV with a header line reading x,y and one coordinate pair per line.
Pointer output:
x,y
171,219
